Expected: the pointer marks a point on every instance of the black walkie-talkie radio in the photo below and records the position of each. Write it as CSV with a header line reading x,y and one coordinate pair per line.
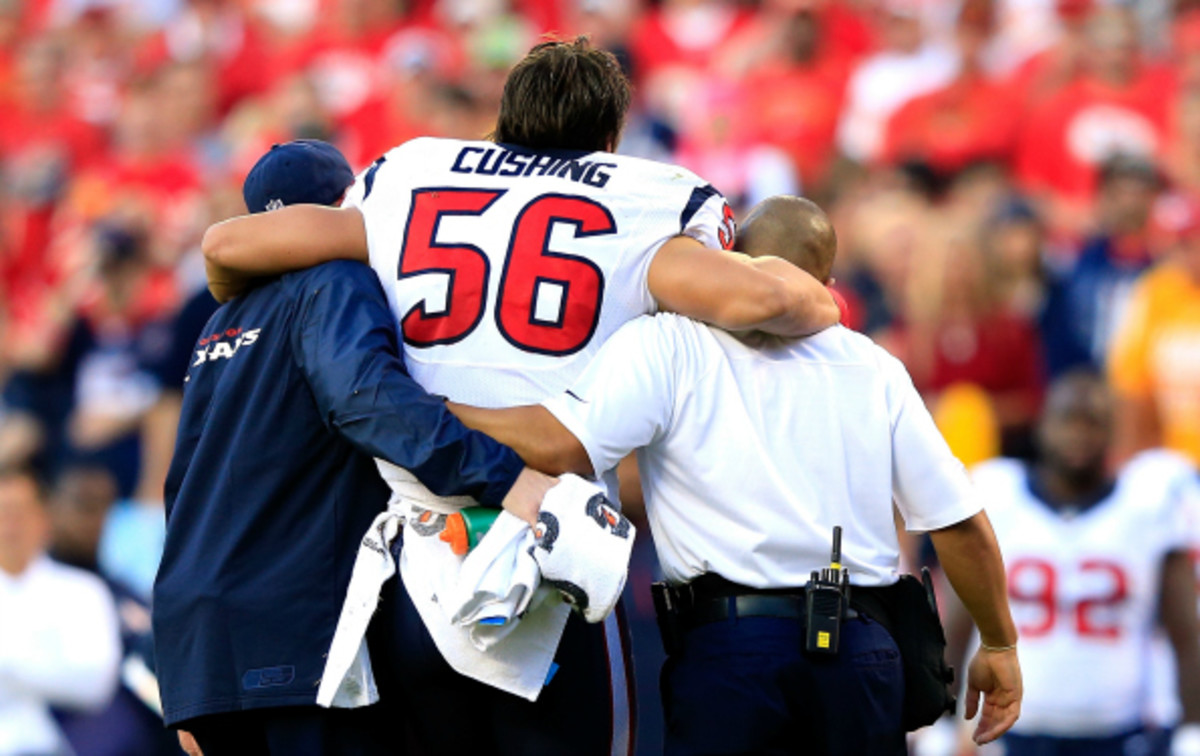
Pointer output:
x,y
826,595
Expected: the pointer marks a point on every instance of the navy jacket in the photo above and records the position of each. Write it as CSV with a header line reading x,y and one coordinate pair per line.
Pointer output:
x,y
1083,307
291,389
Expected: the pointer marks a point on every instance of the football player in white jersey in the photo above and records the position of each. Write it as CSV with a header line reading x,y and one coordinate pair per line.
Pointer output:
x,y
1093,562
751,449
508,263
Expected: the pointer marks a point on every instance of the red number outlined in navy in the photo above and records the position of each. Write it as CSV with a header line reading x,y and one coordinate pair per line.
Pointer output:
x,y
529,266
467,265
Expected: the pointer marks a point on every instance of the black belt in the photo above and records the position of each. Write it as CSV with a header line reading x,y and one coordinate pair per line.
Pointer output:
x,y
712,598
709,610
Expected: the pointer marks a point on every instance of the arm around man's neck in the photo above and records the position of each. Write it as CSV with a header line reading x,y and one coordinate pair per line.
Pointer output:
x,y
241,249
533,433
738,293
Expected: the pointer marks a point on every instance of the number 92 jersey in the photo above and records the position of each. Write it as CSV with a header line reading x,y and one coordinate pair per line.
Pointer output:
x,y
507,268
1084,589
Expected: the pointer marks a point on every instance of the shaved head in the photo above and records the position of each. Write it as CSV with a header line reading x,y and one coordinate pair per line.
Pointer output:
x,y
792,228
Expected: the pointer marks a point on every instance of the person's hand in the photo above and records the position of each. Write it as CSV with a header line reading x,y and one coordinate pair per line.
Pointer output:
x,y
524,499
188,744
997,675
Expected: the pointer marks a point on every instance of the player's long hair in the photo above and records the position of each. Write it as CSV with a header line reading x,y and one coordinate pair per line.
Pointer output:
x,y
564,95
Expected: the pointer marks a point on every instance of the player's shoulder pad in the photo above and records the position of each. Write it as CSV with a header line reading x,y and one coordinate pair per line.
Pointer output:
x,y
421,145
668,173
997,474
412,155
1159,465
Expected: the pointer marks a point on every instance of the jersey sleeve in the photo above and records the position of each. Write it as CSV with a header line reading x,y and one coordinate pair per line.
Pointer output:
x,y
344,339
1181,510
380,193
1128,357
930,485
625,398
364,183
707,218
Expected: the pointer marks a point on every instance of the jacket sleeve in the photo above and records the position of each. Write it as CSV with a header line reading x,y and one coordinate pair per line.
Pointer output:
x,y
344,339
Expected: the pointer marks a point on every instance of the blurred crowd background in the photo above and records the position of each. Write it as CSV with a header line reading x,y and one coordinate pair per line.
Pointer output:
x,y
1011,181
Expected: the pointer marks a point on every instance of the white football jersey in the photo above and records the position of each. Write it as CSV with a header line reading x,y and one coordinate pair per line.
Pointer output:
x,y
1084,590
1164,707
508,268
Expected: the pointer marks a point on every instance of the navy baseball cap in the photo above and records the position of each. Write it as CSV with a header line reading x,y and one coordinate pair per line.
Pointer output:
x,y
303,171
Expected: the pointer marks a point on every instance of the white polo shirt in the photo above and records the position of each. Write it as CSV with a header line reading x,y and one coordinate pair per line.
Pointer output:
x,y
749,456
60,645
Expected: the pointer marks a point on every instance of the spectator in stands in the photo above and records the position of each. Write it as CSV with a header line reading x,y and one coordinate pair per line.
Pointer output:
x,y
1118,106
1014,240
972,119
59,643
219,34
1154,362
1086,301
111,392
955,330
796,71
716,140
131,723
879,232
1181,159
910,65
683,34
1043,74
414,65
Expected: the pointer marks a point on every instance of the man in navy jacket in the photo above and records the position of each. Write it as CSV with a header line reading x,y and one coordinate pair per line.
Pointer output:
x,y
292,389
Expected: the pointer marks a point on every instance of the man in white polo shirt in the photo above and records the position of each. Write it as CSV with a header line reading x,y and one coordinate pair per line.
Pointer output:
x,y
751,450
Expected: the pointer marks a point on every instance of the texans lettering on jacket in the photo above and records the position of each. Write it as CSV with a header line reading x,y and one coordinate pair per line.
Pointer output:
x,y
224,345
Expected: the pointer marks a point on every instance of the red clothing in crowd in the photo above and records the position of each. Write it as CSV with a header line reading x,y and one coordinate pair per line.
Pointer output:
x,y
972,119
661,39
27,133
999,353
240,58
796,108
344,66
375,128
1067,137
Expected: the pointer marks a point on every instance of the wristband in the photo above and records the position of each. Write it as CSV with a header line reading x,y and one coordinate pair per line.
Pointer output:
x,y
997,649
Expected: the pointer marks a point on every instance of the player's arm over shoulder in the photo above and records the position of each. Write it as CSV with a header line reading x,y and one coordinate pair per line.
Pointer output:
x,y
621,402
738,293
240,249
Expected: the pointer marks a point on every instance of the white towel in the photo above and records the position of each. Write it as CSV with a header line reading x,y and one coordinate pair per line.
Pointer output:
x,y
583,546
497,582
520,662
348,680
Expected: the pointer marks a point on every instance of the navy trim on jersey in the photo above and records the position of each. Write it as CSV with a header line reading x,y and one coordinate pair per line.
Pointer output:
x,y
551,151
369,179
700,195
1078,507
